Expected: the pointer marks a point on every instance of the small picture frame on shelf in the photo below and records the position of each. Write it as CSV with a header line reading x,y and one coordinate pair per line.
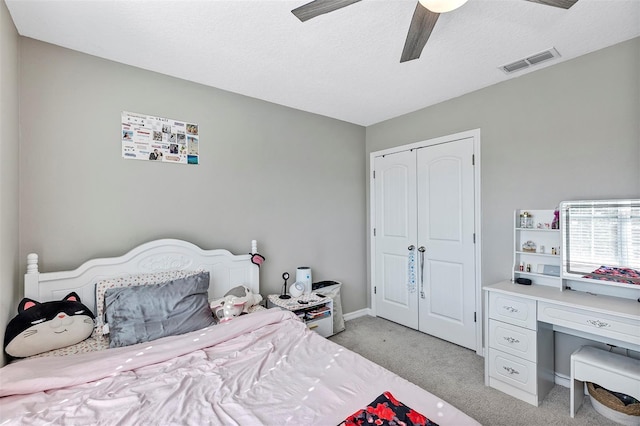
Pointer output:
x,y
553,270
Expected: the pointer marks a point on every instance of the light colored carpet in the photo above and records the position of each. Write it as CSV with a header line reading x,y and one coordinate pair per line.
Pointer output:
x,y
456,375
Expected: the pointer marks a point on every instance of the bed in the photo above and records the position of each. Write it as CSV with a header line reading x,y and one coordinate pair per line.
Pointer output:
x,y
266,367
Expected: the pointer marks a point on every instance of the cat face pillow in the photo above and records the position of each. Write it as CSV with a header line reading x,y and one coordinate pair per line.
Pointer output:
x,y
42,327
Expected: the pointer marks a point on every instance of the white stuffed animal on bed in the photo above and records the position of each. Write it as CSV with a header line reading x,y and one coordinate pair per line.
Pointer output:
x,y
227,308
237,300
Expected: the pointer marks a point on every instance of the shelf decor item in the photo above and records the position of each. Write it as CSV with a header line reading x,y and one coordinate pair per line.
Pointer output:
x,y
553,270
555,224
535,246
526,220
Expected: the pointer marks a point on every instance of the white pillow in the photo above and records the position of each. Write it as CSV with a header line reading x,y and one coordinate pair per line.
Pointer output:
x,y
132,281
92,344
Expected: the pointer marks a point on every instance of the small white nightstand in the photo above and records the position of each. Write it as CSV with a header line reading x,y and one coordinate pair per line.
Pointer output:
x,y
315,311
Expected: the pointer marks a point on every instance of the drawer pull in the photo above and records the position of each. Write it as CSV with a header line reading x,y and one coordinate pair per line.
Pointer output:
x,y
510,339
511,309
312,326
510,370
598,323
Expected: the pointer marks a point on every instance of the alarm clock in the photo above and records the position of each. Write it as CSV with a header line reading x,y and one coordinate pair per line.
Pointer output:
x,y
297,289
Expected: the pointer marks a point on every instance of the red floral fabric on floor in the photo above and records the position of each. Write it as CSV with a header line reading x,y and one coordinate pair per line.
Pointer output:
x,y
386,410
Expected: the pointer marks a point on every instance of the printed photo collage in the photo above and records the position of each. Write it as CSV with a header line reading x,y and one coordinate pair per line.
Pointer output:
x,y
152,138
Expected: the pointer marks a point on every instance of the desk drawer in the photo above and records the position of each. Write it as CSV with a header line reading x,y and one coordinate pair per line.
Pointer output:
x,y
513,310
512,370
512,339
611,326
323,327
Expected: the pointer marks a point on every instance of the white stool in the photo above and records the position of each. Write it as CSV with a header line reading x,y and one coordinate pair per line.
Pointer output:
x,y
617,373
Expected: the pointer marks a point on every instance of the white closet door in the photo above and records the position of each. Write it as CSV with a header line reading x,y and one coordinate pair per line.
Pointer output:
x,y
395,224
446,230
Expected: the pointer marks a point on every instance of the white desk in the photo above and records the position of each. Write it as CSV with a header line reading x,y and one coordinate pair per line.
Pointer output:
x,y
519,325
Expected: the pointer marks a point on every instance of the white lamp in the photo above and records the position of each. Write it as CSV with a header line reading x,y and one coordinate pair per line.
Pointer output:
x,y
442,6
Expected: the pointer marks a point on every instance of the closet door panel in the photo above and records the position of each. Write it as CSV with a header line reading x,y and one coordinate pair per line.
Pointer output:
x,y
395,227
443,178
394,288
445,188
446,292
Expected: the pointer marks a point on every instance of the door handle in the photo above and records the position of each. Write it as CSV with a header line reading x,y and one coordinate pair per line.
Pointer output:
x,y
421,249
411,247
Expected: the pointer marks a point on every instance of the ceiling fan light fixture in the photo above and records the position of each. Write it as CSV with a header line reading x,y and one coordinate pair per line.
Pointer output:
x,y
442,6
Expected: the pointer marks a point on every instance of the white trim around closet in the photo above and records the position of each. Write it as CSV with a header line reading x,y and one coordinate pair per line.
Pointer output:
x,y
475,134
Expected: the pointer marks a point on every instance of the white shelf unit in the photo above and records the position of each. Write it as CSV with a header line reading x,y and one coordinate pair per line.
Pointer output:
x,y
542,235
304,307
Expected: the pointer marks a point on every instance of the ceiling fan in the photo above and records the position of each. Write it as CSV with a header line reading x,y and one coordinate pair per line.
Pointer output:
x,y
424,18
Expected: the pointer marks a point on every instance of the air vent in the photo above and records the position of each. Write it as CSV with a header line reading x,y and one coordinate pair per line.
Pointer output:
x,y
516,66
534,59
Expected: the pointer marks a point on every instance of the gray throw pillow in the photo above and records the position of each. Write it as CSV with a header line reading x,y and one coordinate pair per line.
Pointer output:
x,y
144,313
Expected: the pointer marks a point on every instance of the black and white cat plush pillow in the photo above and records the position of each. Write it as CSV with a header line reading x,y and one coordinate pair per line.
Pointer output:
x,y
42,327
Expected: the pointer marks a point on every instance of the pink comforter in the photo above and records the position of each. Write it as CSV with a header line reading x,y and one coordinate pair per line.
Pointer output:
x,y
264,368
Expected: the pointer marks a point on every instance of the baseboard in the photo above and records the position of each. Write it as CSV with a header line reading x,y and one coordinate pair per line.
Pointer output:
x,y
563,380
357,314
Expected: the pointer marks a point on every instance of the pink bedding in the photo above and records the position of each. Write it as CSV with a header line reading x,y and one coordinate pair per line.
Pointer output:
x,y
263,368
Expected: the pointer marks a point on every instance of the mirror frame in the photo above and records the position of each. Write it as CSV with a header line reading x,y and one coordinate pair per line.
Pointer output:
x,y
564,208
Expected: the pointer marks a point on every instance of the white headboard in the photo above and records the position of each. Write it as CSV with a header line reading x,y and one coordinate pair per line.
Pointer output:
x,y
226,270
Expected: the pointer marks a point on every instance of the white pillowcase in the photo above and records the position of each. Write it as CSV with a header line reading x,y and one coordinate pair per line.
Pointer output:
x,y
132,281
92,344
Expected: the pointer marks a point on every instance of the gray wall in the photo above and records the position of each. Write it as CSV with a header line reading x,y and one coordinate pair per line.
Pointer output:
x,y
292,180
10,284
565,132
569,131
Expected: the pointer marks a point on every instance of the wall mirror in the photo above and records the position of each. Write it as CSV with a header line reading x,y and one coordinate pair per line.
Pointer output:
x,y
601,241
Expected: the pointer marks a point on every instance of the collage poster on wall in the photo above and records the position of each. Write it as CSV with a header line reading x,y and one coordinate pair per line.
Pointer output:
x,y
145,137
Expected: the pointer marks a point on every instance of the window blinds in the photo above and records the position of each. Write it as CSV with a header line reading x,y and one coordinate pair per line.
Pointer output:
x,y
602,235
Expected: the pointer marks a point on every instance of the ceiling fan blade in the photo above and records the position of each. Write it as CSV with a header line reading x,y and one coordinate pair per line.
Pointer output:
x,y
320,7
565,4
420,29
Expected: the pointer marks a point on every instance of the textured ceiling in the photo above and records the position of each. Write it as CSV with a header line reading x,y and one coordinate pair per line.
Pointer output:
x,y
344,64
